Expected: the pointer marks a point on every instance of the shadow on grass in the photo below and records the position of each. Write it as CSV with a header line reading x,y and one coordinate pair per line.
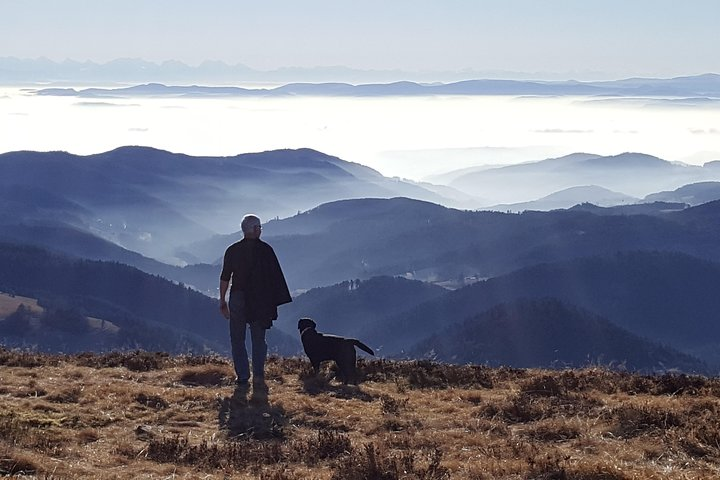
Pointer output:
x,y
253,418
317,384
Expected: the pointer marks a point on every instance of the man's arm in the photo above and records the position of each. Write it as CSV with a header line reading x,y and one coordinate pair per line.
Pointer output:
x,y
225,276
224,309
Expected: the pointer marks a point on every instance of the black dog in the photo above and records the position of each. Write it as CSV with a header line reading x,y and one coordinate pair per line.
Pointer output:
x,y
320,348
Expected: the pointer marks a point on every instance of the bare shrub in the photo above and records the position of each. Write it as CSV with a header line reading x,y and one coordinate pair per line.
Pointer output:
x,y
549,466
25,359
326,444
507,374
392,406
285,365
604,381
594,472
555,467
632,421
34,431
542,385
231,455
141,361
136,361
31,391
373,463
14,464
520,408
152,401
194,360
88,435
70,395
556,430
473,397
425,374
282,472
205,375
276,367
671,384
394,424
126,450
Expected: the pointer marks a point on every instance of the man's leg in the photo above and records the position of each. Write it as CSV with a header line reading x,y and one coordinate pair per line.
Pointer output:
x,y
259,351
238,326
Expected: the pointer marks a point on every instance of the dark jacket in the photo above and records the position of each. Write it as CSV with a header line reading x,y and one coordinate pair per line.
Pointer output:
x,y
254,269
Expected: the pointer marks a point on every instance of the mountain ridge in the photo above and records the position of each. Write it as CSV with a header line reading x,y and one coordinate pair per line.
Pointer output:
x,y
136,302
663,296
706,85
546,332
188,197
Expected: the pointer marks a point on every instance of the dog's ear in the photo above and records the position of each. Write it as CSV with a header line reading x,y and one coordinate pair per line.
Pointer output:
x,y
304,323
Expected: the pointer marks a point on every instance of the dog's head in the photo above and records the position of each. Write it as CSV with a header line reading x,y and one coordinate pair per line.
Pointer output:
x,y
305,323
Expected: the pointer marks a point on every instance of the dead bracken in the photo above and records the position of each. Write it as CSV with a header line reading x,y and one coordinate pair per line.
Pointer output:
x,y
142,414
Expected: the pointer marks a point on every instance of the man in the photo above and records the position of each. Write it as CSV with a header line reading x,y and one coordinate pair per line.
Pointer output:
x,y
258,287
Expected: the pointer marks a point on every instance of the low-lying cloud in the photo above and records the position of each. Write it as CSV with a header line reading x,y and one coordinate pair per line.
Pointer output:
x,y
104,104
705,131
561,130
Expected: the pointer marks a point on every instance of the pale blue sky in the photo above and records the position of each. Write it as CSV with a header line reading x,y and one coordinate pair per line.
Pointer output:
x,y
570,38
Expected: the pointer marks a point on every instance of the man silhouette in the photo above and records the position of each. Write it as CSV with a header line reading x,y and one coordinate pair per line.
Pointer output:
x,y
258,288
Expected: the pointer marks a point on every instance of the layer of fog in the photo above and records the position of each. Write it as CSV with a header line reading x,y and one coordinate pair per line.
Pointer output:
x,y
416,137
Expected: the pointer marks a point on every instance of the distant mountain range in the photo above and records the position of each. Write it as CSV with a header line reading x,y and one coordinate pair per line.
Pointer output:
x,y
152,201
348,307
693,194
599,310
686,195
133,70
403,274
599,196
706,86
365,238
359,239
633,174
547,332
631,285
645,299
664,297
149,312
138,205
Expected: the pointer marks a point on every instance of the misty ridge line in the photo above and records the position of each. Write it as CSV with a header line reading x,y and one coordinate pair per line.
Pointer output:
x,y
140,70
410,285
706,86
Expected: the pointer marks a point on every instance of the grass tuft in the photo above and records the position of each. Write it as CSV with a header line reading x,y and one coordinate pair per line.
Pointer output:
x,y
14,464
207,375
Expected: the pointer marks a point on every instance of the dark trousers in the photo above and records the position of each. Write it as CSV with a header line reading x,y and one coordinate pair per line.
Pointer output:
x,y
238,329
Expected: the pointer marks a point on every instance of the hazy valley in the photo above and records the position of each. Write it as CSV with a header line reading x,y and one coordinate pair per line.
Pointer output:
x,y
388,260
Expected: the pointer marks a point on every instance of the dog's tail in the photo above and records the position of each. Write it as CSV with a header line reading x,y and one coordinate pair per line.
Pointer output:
x,y
362,346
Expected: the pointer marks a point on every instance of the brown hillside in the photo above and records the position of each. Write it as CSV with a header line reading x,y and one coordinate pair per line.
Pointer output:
x,y
142,415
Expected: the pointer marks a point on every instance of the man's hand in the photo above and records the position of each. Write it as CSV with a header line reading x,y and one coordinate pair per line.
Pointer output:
x,y
224,309
223,294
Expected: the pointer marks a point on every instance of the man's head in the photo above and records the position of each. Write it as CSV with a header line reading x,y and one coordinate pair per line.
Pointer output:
x,y
251,226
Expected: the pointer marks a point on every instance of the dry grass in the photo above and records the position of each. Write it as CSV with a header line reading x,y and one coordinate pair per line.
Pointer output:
x,y
145,415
